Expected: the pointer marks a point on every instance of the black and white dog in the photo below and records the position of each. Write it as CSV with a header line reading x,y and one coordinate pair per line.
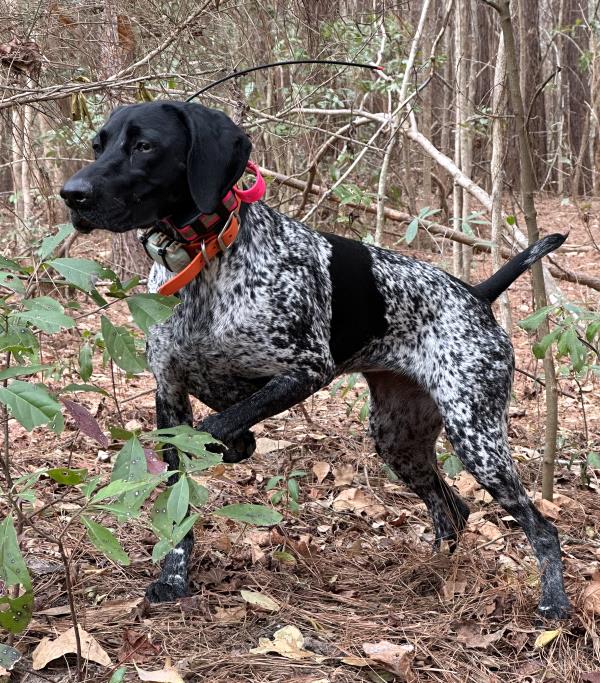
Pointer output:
x,y
285,309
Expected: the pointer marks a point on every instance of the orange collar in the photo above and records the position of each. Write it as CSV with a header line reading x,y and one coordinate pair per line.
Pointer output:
x,y
198,240
201,253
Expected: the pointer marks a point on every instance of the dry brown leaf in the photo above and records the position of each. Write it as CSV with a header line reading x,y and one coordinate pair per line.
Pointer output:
x,y
321,469
167,675
465,483
260,600
392,657
548,508
264,445
48,650
470,634
359,502
492,534
287,642
591,597
343,475
454,585
355,661
545,638
230,615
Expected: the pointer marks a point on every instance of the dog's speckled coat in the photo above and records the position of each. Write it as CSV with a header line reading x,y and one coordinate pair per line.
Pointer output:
x,y
287,309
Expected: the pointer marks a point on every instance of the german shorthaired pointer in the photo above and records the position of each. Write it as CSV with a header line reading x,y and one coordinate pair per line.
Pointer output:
x,y
278,313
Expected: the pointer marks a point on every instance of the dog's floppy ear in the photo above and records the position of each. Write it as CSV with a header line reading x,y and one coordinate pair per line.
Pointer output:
x,y
217,157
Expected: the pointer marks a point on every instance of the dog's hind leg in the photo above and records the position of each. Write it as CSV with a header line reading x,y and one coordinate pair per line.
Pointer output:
x,y
405,424
475,417
172,408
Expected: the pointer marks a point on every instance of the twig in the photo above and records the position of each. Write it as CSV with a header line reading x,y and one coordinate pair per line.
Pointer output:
x,y
114,388
69,587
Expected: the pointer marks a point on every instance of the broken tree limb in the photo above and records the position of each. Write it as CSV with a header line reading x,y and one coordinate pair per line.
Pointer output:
x,y
436,229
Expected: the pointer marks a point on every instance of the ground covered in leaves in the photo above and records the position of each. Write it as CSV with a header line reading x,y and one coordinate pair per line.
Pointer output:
x,y
348,587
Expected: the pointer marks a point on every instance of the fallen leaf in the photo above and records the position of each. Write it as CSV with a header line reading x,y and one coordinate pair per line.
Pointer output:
x,y
359,502
465,483
136,647
591,677
321,469
260,600
454,585
591,597
546,637
547,508
492,534
85,421
287,642
154,463
264,446
343,475
470,634
48,650
392,657
230,615
166,675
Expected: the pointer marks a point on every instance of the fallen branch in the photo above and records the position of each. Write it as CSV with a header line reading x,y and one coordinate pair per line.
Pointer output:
x,y
434,229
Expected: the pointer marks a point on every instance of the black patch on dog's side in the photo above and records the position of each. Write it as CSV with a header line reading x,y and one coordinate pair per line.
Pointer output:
x,y
357,305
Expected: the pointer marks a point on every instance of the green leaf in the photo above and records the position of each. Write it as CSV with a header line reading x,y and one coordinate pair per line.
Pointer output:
x,y
539,348
18,612
9,656
70,477
259,515
13,570
23,371
120,345
19,340
119,675
130,464
50,243
180,531
452,466
178,503
46,314
184,438
411,231
593,460
199,463
74,388
105,541
272,483
298,473
277,498
118,488
121,434
91,485
80,272
85,362
12,282
511,220
159,519
11,265
592,330
533,321
198,494
32,405
151,309
293,489
161,549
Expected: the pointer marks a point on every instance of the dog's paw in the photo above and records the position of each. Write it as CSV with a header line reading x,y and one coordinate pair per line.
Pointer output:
x,y
240,448
161,591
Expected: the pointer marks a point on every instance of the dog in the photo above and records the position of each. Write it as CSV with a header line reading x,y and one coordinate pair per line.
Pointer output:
x,y
281,311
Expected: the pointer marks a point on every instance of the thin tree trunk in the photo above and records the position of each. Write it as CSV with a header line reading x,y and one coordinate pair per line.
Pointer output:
x,y
539,289
497,171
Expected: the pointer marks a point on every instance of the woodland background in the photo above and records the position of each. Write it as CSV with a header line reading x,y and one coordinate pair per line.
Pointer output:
x,y
424,157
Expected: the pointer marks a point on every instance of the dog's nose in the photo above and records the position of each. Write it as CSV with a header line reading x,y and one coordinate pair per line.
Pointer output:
x,y
77,193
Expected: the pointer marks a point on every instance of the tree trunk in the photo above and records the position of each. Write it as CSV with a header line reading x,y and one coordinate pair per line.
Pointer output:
x,y
539,288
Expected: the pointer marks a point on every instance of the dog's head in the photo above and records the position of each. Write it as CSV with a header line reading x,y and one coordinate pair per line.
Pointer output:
x,y
155,160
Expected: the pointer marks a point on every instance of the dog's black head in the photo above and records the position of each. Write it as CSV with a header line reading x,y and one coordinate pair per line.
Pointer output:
x,y
155,160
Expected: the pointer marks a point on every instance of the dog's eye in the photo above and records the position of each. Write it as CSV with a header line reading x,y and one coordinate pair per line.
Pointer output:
x,y
143,146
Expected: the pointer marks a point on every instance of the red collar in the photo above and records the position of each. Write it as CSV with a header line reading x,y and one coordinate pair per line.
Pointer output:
x,y
202,240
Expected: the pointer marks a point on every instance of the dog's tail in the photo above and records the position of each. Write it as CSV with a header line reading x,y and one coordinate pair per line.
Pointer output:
x,y
490,289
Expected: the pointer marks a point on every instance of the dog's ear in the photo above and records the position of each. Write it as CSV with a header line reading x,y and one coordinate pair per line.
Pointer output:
x,y
217,156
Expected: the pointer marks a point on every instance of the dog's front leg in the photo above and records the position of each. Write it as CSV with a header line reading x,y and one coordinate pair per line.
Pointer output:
x,y
172,409
280,393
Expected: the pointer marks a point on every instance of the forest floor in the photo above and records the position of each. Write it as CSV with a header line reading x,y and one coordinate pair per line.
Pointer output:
x,y
354,566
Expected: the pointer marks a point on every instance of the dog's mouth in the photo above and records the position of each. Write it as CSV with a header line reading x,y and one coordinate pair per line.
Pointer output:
x,y
85,226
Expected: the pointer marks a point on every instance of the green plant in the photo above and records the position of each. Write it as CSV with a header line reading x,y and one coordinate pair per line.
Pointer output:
x,y
344,386
31,319
288,489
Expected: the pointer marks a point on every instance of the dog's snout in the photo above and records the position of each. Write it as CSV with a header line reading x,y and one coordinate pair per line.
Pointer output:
x,y
77,193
